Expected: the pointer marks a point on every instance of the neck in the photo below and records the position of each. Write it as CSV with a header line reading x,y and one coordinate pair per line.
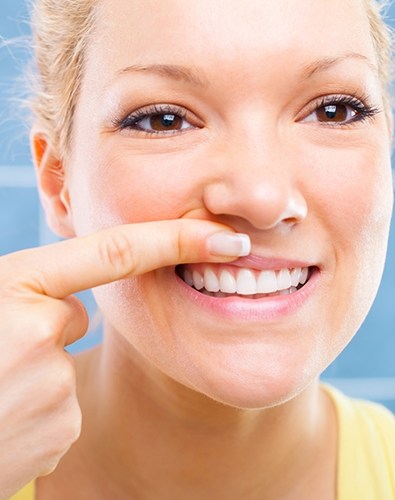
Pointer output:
x,y
176,440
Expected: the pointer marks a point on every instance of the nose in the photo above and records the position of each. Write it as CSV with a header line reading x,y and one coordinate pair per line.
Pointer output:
x,y
258,186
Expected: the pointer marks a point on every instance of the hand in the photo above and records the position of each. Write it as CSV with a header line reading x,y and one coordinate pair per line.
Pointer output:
x,y
40,416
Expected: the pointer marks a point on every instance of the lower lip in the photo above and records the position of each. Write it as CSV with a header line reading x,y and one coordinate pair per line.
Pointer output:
x,y
243,309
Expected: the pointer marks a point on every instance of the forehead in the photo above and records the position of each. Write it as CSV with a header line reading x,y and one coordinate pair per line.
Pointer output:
x,y
217,30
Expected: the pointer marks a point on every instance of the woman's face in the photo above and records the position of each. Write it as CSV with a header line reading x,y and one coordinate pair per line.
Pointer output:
x,y
266,117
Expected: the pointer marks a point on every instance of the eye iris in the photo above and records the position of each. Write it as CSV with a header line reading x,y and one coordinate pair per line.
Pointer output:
x,y
332,113
166,122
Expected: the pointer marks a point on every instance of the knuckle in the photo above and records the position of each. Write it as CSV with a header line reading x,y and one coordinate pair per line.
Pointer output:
x,y
44,335
115,251
183,246
50,324
70,429
49,467
16,271
7,264
51,320
63,432
10,291
66,431
73,431
70,433
64,382
180,246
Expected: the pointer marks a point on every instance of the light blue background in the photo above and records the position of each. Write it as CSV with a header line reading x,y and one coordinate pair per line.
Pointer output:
x,y
367,366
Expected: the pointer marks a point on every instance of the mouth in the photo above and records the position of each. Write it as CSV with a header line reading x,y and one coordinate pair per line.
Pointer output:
x,y
221,281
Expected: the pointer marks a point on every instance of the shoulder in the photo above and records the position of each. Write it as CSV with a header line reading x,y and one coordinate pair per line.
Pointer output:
x,y
378,420
370,423
376,428
366,417
366,447
26,493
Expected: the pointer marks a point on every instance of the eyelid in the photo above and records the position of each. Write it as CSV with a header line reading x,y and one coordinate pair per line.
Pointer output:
x,y
362,105
132,118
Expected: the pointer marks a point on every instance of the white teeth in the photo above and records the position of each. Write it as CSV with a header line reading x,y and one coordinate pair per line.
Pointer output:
x,y
295,276
246,282
198,282
283,279
267,282
227,282
303,275
188,277
211,283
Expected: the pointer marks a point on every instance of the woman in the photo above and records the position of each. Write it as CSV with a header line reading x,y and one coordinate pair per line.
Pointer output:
x,y
210,158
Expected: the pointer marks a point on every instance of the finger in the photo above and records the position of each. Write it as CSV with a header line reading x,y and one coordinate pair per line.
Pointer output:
x,y
74,265
50,322
78,324
38,325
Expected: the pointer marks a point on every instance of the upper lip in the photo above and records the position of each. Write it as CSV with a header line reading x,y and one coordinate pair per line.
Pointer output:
x,y
268,263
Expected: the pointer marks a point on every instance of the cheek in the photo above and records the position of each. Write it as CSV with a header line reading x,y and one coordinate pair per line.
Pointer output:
x,y
349,189
353,203
125,187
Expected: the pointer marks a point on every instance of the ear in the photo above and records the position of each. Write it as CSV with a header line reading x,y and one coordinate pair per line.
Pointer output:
x,y
52,185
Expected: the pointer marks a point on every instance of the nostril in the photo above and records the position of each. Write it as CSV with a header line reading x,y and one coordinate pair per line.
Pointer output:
x,y
295,211
263,203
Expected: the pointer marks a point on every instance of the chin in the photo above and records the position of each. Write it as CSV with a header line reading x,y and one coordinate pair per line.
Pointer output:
x,y
256,398
248,387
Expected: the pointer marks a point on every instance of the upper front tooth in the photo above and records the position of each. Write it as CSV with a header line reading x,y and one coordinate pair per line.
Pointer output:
x,y
295,276
246,282
267,282
283,279
227,282
211,283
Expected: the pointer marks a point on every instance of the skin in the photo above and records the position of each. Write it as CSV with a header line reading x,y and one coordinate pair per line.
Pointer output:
x,y
239,171
40,317
221,400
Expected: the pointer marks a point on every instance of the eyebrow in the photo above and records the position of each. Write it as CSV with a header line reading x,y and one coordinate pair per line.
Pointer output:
x,y
189,75
326,63
176,72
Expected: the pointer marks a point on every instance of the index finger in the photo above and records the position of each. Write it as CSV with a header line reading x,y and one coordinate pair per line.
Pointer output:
x,y
81,263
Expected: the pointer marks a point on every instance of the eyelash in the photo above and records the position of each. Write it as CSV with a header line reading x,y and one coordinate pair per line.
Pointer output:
x,y
363,112
132,120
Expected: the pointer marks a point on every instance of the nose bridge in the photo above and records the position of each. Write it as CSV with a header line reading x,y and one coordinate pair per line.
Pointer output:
x,y
256,180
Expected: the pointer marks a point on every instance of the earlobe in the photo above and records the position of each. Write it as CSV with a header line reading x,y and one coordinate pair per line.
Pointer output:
x,y
52,185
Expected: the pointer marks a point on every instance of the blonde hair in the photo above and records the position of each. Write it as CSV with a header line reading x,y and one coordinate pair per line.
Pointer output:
x,y
382,42
61,32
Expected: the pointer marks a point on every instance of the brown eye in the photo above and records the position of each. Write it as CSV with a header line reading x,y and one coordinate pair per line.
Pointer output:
x,y
165,122
340,110
334,113
155,121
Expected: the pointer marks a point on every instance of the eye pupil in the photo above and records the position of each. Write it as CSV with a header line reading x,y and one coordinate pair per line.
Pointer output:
x,y
162,122
168,120
332,113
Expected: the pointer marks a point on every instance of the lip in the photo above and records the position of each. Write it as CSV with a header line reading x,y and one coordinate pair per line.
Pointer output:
x,y
270,264
267,309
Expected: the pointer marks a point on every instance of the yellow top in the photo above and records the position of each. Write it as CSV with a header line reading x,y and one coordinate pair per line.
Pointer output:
x,y
27,493
366,451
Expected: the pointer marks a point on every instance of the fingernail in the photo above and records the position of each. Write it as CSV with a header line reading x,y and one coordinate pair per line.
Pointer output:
x,y
228,244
